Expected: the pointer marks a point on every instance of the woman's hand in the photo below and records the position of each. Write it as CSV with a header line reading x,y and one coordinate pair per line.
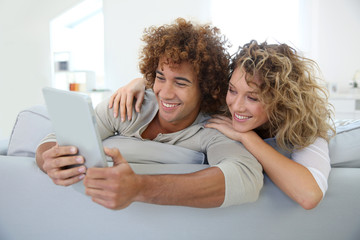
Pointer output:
x,y
224,125
123,98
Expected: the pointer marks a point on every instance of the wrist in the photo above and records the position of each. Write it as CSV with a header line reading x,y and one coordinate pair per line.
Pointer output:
x,y
250,138
141,185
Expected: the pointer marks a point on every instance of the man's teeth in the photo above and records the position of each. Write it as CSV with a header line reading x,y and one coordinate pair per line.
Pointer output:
x,y
169,105
241,117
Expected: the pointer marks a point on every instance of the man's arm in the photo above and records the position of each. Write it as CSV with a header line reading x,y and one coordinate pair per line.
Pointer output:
x,y
205,188
242,172
56,161
119,186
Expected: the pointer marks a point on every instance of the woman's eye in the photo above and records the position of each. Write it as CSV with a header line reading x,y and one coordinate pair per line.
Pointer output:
x,y
231,90
253,99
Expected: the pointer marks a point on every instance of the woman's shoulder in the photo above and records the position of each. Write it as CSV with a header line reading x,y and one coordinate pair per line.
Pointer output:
x,y
319,143
318,149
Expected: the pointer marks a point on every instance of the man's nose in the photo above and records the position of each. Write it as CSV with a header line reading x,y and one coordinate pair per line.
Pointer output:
x,y
167,90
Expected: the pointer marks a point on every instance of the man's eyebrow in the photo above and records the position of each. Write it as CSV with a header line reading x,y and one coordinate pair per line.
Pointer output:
x,y
157,71
184,79
178,78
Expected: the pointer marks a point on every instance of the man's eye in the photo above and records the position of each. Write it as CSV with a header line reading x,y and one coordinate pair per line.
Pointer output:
x,y
181,84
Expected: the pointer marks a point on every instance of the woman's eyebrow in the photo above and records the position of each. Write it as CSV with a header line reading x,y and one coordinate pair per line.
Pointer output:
x,y
249,92
231,85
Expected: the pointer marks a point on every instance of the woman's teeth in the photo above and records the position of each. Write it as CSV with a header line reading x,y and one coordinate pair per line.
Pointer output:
x,y
241,117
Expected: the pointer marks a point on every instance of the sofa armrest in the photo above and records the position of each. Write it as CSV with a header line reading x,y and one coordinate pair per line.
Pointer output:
x,y
4,146
31,125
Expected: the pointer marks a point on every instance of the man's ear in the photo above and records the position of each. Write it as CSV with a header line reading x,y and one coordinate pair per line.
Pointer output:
x,y
215,93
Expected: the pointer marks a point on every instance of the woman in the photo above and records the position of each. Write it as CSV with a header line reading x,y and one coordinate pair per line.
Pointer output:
x,y
280,114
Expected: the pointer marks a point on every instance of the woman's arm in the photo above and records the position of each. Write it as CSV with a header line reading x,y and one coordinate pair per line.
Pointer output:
x,y
294,179
124,96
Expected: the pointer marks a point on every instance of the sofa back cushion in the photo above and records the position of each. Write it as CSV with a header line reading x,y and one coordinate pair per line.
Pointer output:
x,y
344,147
33,124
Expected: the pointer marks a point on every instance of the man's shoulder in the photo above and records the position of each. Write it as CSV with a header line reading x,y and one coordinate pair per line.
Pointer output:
x,y
207,134
149,105
109,124
149,93
149,99
103,107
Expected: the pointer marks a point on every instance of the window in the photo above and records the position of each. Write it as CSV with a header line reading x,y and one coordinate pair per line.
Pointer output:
x,y
77,45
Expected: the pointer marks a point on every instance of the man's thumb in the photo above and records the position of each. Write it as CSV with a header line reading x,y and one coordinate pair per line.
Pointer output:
x,y
115,154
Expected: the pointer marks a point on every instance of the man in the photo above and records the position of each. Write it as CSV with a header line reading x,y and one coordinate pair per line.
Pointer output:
x,y
186,66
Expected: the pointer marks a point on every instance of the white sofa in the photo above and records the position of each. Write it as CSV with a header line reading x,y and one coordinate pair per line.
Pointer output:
x,y
32,207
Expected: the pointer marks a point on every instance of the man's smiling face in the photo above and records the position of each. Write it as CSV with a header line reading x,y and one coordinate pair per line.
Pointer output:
x,y
178,94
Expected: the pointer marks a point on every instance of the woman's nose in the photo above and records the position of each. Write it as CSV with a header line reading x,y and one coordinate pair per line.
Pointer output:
x,y
239,104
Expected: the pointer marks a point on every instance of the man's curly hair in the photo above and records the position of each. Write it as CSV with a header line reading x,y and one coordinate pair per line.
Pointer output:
x,y
296,104
200,45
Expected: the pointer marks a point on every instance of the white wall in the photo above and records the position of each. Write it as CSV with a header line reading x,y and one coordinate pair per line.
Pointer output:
x,y
339,41
124,24
24,54
331,36
25,66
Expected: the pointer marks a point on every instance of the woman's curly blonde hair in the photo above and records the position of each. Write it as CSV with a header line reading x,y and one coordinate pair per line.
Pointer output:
x,y
296,104
200,45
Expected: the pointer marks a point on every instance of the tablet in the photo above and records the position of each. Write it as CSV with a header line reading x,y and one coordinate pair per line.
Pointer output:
x,y
74,123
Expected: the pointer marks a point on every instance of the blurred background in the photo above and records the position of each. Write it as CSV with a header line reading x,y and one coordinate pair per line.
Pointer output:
x,y
93,45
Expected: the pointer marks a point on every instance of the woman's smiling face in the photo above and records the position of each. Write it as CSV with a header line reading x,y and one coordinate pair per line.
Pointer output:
x,y
247,112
